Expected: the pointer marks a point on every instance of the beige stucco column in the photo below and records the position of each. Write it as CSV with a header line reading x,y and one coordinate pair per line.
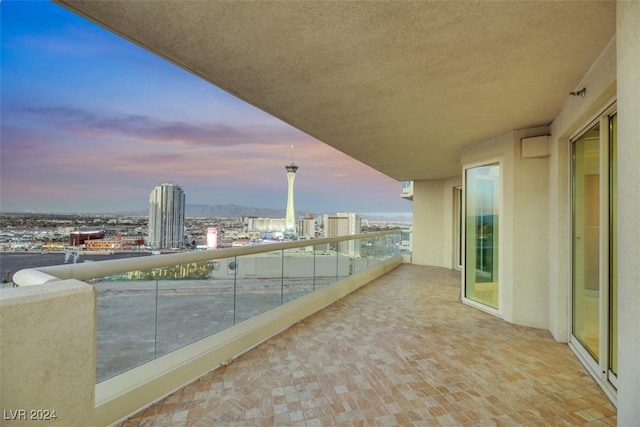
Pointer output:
x,y
628,56
433,222
48,354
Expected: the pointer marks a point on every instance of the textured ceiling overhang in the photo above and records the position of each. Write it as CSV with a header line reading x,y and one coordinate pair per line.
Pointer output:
x,y
400,86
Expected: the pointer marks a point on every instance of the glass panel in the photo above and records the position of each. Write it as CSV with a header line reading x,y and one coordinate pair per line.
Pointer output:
x,y
357,262
126,330
343,260
613,251
405,242
297,270
324,265
259,285
192,303
482,186
394,245
586,240
361,260
143,315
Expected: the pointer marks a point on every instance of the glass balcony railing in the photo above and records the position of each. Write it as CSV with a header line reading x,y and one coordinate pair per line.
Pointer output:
x,y
146,314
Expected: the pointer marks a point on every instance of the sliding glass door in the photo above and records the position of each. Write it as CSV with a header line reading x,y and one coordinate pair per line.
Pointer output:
x,y
586,240
594,235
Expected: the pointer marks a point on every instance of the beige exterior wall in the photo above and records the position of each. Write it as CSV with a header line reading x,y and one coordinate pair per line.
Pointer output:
x,y
535,223
432,226
559,238
628,55
499,148
525,185
530,235
433,237
428,223
523,241
48,354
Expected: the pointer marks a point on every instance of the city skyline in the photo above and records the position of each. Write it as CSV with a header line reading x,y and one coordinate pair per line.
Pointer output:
x,y
90,122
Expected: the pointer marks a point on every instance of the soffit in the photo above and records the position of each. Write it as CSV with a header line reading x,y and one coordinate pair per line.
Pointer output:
x,y
400,86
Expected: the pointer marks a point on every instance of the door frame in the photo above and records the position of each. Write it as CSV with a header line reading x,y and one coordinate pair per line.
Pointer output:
x,y
485,162
598,369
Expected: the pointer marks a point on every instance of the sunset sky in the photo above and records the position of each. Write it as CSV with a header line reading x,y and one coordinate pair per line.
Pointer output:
x,y
91,123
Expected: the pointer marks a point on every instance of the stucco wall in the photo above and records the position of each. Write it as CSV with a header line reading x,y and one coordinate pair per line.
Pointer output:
x,y
48,354
523,267
499,148
628,55
433,222
428,214
559,235
530,234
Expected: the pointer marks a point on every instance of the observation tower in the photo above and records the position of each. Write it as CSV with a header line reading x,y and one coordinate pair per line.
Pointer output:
x,y
290,217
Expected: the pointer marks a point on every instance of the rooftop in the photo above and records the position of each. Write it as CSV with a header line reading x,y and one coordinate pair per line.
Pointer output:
x,y
401,351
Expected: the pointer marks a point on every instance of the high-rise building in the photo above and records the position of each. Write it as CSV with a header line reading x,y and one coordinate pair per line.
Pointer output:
x,y
213,239
166,216
266,224
344,224
290,217
307,227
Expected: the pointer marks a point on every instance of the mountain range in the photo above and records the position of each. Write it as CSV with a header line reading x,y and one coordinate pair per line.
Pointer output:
x,y
237,211
232,211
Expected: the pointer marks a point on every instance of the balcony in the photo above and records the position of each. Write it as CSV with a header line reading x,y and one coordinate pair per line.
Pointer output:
x,y
400,351
142,327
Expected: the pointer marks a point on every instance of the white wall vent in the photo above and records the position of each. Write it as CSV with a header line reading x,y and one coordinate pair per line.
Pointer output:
x,y
535,147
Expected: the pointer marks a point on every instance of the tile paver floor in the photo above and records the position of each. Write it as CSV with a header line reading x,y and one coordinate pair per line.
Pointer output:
x,y
401,351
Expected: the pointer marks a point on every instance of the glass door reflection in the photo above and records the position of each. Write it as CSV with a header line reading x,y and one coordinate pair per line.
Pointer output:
x,y
586,240
482,186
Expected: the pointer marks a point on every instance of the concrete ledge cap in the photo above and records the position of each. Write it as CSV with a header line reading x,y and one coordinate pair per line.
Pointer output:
x,y
32,277
20,295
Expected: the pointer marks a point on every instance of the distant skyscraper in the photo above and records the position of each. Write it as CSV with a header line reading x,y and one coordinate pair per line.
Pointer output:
x,y
344,224
307,227
166,216
290,217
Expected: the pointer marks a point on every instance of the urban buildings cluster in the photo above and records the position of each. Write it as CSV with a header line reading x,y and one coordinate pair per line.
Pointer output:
x,y
167,218
167,228
167,203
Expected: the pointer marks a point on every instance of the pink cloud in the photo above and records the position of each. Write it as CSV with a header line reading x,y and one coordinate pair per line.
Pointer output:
x,y
125,162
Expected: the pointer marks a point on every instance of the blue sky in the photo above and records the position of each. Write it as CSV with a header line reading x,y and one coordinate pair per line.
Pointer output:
x,y
91,123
